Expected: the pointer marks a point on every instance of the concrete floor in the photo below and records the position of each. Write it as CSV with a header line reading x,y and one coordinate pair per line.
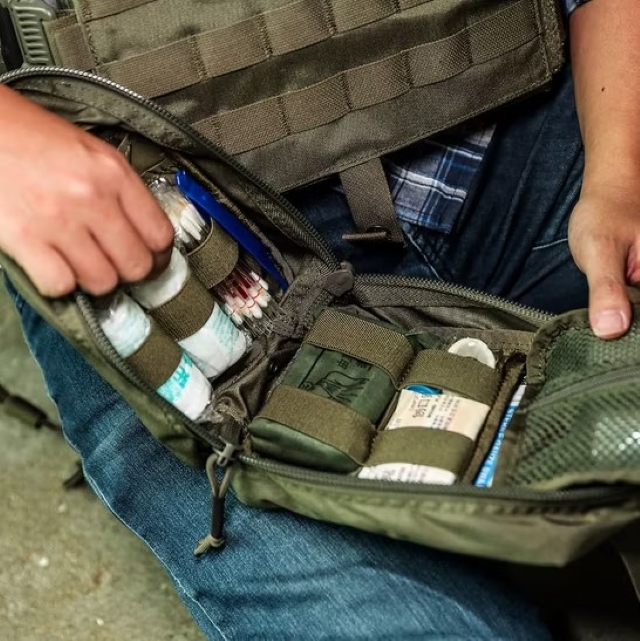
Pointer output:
x,y
68,569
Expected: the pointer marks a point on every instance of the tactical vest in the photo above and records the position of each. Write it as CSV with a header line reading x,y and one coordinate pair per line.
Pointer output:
x,y
301,90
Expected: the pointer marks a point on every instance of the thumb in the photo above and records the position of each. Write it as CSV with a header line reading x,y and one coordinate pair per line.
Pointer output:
x,y
604,263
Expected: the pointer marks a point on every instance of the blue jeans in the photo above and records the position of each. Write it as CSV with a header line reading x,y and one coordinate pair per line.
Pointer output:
x,y
286,577
510,238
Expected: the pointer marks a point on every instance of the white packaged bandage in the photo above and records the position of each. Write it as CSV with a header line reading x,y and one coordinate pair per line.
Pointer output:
x,y
430,410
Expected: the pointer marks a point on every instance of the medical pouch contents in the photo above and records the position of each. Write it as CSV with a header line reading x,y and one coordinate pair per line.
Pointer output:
x,y
338,395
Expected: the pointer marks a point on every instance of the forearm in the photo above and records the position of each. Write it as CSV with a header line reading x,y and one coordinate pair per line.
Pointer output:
x,y
605,47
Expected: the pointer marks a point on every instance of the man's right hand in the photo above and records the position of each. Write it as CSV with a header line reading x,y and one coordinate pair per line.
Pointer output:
x,y
72,211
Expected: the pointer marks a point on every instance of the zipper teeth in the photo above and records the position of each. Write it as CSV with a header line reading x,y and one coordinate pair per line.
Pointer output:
x,y
628,374
449,288
322,250
318,245
105,346
443,491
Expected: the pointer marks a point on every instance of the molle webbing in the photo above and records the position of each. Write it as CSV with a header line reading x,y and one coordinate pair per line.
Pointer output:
x,y
157,359
323,419
300,90
186,313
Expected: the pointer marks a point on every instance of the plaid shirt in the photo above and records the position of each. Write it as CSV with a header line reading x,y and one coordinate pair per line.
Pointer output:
x,y
430,180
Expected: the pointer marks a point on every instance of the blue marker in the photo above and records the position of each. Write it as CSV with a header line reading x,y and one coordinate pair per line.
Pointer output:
x,y
208,206
488,470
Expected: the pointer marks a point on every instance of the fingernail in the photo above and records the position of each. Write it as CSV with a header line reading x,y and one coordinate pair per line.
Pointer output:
x,y
610,323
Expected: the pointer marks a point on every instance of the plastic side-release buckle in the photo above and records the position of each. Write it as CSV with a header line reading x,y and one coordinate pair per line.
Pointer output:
x,y
28,17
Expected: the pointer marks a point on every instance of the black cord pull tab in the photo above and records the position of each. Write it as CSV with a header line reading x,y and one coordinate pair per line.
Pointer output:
x,y
224,459
25,411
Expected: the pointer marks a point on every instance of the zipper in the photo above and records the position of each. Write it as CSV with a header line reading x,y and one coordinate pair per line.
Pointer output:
x,y
322,250
559,498
316,242
522,311
592,384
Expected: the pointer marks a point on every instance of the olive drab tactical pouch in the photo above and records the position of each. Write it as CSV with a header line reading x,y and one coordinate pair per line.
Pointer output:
x,y
295,91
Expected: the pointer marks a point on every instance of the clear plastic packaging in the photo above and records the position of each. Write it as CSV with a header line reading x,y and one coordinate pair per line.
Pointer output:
x,y
218,344
243,294
189,226
127,327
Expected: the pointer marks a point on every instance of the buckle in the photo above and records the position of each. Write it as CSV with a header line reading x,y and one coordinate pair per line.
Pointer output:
x,y
27,17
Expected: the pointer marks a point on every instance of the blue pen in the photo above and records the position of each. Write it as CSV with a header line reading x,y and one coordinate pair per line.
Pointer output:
x,y
488,470
208,206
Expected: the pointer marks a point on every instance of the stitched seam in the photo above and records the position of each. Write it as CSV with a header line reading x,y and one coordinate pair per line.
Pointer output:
x,y
93,49
536,11
264,35
345,88
379,151
326,7
284,116
196,58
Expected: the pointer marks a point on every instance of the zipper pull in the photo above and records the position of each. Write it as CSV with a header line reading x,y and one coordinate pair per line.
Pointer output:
x,y
224,459
341,281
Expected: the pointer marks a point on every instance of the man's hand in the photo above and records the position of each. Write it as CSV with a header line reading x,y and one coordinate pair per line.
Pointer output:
x,y
604,232
72,211
604,236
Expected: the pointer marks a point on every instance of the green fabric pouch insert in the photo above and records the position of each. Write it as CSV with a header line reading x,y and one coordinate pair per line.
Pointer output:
x,y
436,442
348,382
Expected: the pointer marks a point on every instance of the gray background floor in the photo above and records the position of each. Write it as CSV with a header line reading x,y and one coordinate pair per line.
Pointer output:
x,y
68,569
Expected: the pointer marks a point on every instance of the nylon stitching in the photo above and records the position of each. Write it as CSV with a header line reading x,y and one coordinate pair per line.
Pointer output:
x,y
196,58
264,35
326,7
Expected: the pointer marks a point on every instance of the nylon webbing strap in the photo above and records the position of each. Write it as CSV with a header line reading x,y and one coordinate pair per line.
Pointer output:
x,y
157,359
420,446
459,374
94,9
195,58
67,41
321,418
263,122
214,259
379,346
226,49
371,204
187,312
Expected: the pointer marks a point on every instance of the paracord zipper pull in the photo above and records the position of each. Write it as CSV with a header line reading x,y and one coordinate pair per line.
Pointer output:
x,y
225,459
